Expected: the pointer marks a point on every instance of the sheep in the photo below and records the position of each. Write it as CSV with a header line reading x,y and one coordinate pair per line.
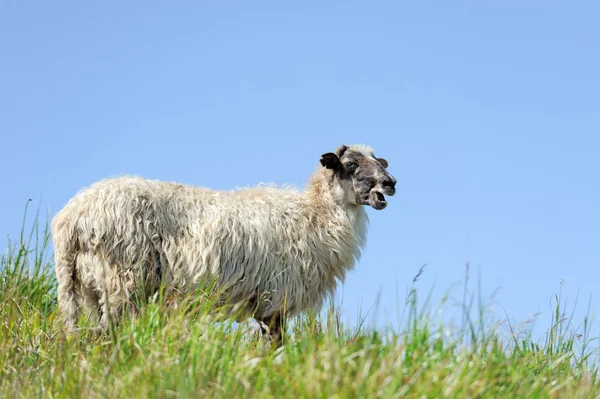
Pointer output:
x,y
279,250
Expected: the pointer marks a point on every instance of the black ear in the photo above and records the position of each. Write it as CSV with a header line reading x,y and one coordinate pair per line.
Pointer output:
x,y
383,162
331,161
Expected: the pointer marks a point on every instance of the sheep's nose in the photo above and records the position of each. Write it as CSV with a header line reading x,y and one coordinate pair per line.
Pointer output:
x,y
389,182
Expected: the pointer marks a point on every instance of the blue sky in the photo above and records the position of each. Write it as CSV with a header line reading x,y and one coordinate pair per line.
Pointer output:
x,y
488,112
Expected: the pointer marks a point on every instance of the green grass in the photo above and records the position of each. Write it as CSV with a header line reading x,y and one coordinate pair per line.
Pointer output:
x,y
186,353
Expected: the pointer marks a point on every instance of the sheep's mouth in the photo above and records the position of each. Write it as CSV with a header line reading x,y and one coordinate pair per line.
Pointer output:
x,y
377,200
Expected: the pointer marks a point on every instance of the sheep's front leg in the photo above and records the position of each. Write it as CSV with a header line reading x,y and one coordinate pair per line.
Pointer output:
x,y
273,326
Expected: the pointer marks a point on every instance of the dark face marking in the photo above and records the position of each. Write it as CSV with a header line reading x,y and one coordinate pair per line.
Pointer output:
x,y
341,151
363,176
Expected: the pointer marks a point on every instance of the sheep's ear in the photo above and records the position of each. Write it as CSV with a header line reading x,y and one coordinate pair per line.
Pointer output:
x,y
331,161
383,162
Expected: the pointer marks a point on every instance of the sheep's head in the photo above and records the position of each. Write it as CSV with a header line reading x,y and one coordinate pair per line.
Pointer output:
x,y
359,177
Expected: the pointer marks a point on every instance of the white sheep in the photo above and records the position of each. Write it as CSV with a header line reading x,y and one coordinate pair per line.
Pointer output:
x,y
280,250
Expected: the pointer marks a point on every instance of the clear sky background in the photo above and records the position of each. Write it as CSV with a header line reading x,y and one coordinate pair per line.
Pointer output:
x,y
488,112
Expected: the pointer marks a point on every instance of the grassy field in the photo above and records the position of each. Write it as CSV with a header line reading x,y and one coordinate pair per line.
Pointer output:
x,y
188,354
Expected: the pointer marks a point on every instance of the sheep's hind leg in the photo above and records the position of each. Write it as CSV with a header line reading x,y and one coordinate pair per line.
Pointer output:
x,y
112,302
90,302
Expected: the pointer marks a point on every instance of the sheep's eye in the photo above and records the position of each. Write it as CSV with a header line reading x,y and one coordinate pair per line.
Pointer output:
x,y
351,166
